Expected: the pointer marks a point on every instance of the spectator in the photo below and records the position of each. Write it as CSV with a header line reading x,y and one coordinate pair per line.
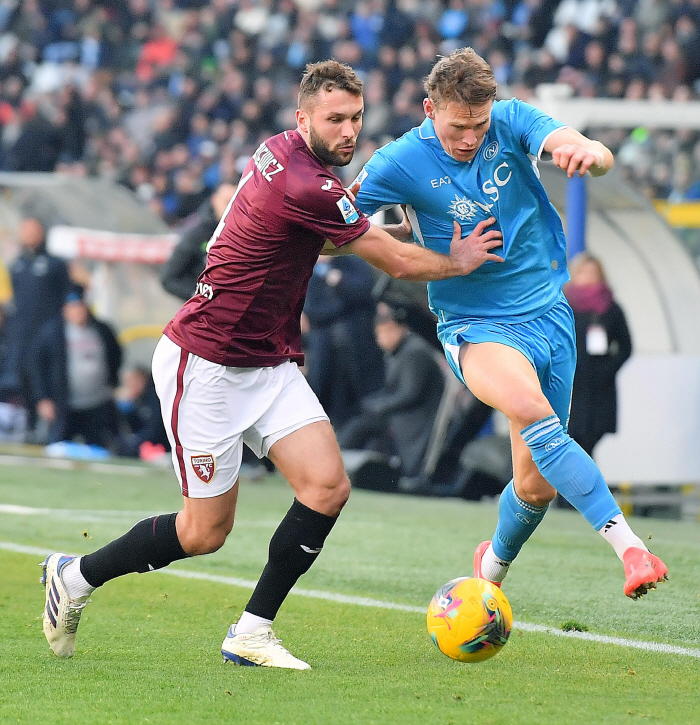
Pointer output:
x,y
344,363
603,344
398,419
186,263
104,88
74,368
139,407
39,284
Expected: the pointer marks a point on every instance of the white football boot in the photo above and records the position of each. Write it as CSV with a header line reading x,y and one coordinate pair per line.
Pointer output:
x,y
61,614
260,649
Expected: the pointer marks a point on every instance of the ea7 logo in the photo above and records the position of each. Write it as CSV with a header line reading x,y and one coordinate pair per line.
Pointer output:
x,y
554,444
436,183
204,467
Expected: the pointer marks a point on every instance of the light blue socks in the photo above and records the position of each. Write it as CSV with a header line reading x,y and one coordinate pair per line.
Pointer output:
x,y
569,469
516,522
566,467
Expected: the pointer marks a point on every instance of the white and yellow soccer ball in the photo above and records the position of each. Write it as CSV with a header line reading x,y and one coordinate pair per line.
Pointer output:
x,y
469,619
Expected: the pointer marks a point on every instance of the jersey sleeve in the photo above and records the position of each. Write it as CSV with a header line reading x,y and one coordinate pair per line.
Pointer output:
x,y
531,126
381,184
322,205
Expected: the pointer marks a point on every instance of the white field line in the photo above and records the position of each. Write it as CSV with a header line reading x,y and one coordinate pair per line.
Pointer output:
x,y
367,602
67,464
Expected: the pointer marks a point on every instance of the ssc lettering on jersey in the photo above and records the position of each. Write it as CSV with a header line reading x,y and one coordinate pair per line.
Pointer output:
x,y
263,159
502,182
490,186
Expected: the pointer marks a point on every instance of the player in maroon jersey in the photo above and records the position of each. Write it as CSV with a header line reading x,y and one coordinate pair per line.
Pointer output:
x,y
226,370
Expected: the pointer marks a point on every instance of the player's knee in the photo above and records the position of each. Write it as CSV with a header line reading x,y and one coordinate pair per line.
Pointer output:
x,y
535,490
199,540
528,409
328,496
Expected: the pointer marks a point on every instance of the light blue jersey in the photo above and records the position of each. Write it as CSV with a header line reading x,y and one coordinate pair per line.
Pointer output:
x,y
501,181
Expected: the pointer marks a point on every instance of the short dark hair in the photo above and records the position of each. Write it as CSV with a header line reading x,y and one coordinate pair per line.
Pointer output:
x,y
328,75
463,77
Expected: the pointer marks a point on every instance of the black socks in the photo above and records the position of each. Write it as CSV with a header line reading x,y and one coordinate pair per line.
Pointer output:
x,y
293,549
150,544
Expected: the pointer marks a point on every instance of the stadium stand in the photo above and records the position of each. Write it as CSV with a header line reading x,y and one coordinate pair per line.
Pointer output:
x,y
170,97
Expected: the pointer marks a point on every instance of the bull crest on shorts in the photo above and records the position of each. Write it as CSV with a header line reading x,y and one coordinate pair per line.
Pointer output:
x,y
204,467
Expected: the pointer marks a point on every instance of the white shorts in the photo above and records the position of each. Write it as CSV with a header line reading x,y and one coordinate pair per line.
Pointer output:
x,y
210,410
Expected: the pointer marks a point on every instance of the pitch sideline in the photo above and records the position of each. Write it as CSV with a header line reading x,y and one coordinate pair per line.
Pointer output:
x,y
379,604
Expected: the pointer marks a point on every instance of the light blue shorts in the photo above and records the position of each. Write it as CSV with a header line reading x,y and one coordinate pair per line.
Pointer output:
x,y
548,342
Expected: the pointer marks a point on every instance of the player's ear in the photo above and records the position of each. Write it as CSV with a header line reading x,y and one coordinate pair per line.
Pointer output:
x,y
429,108
302,120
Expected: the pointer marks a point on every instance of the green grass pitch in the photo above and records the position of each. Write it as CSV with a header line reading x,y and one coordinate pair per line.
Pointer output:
x,y
148,645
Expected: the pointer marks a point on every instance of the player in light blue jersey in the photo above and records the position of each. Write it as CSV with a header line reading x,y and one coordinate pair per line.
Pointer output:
x,y
507,330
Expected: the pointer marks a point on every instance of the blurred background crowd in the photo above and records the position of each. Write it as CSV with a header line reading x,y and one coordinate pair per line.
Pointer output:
x,y
170,97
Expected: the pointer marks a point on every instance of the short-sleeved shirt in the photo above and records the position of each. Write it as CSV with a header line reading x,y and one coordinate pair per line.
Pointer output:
x,y
249,299
501,181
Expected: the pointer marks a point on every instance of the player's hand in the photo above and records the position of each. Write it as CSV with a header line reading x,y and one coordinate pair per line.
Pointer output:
x,y
473,250
353,191
572,158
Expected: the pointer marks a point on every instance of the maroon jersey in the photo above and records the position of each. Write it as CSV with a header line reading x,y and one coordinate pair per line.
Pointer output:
x,y
249,299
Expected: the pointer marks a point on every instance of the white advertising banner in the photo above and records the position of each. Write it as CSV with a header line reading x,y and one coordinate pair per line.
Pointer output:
x,y
74,242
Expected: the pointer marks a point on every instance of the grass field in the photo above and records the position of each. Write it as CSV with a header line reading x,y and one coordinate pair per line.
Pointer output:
x,y
148,645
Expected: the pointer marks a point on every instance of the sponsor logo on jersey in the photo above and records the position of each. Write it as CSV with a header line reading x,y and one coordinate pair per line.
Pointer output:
x,y
462,208
205,290
491,150
204,467
350,214
436,183
327,185
266,162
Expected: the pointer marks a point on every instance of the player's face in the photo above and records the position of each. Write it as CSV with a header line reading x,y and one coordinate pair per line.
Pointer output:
x,y
331,126
460,129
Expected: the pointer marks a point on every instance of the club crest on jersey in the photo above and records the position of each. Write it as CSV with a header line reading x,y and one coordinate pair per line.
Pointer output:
x,y
491,150
350,214
204,467
463,209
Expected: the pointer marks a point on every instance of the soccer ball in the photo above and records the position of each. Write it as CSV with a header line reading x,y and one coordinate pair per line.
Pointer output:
x,y
469,619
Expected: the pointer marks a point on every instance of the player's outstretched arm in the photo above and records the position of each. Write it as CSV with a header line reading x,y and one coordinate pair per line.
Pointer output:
x,y
573,152
412,262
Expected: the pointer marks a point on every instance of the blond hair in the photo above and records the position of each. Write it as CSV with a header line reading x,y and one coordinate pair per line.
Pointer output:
x,y
463,77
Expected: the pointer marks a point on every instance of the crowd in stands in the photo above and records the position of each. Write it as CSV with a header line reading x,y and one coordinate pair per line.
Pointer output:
x,y
171,97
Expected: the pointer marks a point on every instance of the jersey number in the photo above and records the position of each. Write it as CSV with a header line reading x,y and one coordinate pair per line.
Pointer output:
x,y
222,221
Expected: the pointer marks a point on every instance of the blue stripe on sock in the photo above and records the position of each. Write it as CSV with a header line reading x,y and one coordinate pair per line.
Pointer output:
x,y
569,469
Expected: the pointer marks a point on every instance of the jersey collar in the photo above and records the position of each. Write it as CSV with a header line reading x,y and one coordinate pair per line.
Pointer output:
x,y
426,131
